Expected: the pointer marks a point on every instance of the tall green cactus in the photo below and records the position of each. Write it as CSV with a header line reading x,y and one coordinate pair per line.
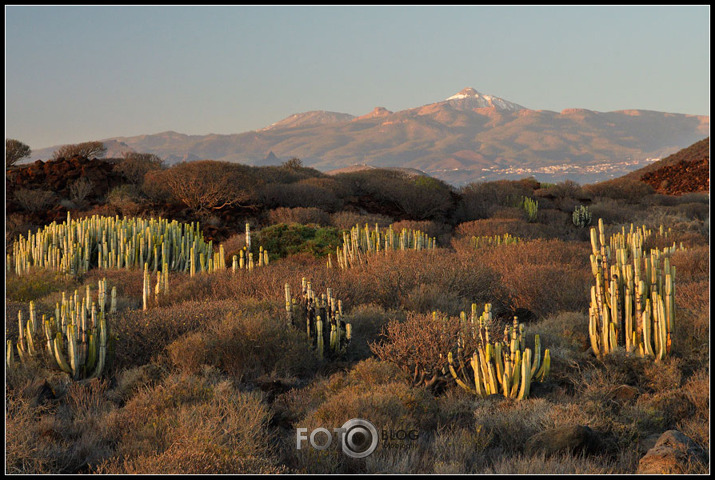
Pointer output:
x,y
77,339
362,242
581,216
504,367
632,300
531,208
322,317
75,246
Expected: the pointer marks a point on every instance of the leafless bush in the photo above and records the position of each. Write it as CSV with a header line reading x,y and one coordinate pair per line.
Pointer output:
x,y
80,189
418,346
208,185
34,200
86,149
15,151
134,166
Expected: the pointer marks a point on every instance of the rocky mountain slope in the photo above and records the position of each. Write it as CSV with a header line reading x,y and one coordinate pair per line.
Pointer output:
x,y
685,171
467,137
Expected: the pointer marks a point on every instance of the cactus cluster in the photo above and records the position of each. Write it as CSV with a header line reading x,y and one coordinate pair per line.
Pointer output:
x,y
633,299
361,242
496,240
322,317
531,207
485,367
75,246
244,260
581,216
76,338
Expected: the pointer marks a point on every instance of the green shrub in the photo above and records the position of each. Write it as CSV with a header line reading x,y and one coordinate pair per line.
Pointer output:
x,y
284,239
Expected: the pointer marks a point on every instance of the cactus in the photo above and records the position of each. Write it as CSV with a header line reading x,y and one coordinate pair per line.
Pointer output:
x,y
77,339
496,240
531,207
360,243
581,216
76,246
322,318
504,367
632,300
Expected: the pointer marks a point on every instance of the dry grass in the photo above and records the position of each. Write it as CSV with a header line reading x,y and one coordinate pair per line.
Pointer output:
x,y
245,346
192,425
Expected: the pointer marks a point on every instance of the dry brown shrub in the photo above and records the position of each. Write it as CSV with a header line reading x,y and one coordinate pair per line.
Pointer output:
x,y
233,245
87,398
481,200
346,219
134,166
245,346
497,226
367,321
632,191
508,213
26,448
544,276
418,346
691,264
311,192
512,422
426,298
190,425
555,465
144,334
697,391
664,409
34,200
613,212
390,406
302,215
440,231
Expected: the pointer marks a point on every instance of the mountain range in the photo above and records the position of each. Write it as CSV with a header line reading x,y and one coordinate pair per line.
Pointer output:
x,y
469,136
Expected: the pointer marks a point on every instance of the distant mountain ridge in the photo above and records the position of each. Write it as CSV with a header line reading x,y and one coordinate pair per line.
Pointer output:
x,y
469,136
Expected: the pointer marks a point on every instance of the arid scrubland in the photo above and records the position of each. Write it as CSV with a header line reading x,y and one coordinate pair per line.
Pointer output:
x,y
213,376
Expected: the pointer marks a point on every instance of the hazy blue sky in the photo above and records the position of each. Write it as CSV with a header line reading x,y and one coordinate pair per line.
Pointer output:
x,y
80,73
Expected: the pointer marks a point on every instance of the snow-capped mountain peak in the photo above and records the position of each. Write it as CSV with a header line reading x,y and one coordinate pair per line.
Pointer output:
x,y
471,98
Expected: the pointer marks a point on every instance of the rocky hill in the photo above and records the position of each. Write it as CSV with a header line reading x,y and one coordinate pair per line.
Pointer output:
x,y
686,171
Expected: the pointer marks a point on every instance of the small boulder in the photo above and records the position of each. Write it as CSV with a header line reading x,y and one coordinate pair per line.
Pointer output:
x,y
672,453
625,393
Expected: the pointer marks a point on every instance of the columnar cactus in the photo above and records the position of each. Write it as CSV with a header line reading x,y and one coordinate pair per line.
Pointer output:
x,y
632,300
507,367
76,339
322,318
496,240
75,246
359,243
531,207
581,216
